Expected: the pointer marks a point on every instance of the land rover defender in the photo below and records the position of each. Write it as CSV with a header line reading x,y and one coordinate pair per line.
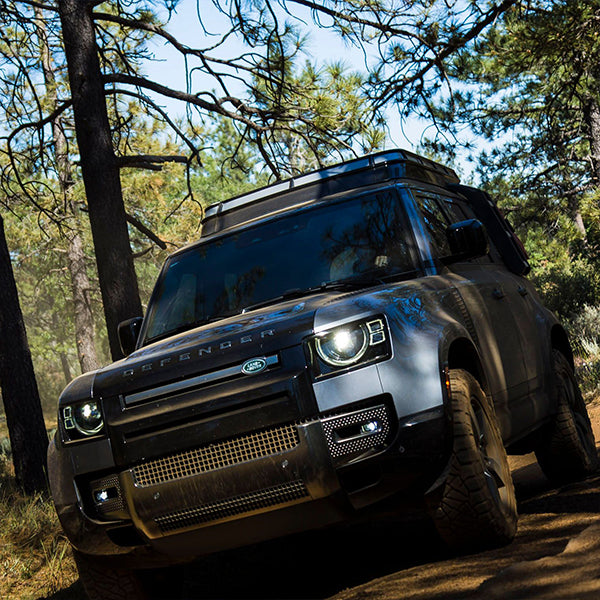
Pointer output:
x,y
360,333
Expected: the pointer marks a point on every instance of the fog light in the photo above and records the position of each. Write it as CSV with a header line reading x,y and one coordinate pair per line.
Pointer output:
x,y
370,428
104,495
364,430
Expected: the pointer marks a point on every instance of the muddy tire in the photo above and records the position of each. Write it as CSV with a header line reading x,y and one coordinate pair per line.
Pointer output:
x,y
478,508
102,581
568,449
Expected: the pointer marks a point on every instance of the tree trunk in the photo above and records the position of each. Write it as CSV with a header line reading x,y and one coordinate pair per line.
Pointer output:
x,y
64,363
100,170
579,224
592,118
84,323
80,283
26,428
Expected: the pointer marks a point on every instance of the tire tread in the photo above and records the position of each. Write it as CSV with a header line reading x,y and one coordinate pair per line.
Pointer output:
x,y
467,516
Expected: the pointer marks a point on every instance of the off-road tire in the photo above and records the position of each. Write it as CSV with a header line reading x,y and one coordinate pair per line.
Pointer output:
x,y
102,581
478,508
568,449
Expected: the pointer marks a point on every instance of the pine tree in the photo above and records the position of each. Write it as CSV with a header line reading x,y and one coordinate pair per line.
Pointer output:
x,y
17,380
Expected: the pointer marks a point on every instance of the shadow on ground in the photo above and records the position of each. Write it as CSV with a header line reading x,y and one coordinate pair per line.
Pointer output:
x,y
315,564
73,592
391,557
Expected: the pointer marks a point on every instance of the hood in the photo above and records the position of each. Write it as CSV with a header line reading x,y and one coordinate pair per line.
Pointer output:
x,y
233,340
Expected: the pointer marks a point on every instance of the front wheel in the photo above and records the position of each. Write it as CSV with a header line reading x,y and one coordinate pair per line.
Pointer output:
x,y
478,507
568,448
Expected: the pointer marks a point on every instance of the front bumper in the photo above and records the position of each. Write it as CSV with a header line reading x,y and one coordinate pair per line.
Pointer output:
x,y
251,487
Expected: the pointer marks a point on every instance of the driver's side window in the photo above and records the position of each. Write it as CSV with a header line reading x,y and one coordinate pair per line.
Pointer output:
x,y
436,222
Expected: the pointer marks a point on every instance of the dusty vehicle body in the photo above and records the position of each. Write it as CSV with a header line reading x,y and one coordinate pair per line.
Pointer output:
x,y
331,341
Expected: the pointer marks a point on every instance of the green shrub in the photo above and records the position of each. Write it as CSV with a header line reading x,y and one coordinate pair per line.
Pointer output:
x,y
584,331
567,288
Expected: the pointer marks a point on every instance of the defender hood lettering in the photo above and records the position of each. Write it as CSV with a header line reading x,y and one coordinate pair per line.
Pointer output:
x,y
213,346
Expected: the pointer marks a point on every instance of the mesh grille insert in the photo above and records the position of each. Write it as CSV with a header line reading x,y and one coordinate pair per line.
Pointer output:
x,y
110,485
361,441
261,499
216,456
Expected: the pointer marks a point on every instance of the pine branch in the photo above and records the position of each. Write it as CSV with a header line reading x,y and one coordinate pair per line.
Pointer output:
x,y
149,161
147,232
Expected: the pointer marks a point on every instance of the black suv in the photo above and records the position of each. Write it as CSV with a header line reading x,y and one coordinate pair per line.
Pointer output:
x,y
358,333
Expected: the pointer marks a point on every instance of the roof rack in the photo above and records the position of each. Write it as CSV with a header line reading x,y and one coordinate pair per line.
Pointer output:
x,y
359,172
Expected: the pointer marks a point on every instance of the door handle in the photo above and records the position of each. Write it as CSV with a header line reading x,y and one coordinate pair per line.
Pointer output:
x,y
523,291
498,293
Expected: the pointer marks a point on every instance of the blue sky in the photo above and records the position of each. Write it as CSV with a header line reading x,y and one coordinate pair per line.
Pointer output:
x,y
323,46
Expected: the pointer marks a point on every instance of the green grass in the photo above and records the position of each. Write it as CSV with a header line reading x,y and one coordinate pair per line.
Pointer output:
x,y
35,557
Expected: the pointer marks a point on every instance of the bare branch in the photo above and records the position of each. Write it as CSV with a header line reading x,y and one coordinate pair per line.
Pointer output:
x,y
33,4
451,46
147,232
149,161
216,106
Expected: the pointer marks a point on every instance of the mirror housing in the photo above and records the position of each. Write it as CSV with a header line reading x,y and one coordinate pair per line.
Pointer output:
x,y
128,332
467,239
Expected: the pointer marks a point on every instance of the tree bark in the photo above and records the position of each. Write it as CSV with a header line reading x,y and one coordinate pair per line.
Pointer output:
x,y
100,170
24,418
80,283
591,115
592,118
84,322
64,363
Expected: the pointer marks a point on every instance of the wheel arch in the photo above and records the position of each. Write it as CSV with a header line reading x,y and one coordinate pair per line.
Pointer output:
x,y
560,341
462,354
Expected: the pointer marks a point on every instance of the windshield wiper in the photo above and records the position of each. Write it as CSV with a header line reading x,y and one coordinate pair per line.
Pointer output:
x,y
187,326
287,295
351,283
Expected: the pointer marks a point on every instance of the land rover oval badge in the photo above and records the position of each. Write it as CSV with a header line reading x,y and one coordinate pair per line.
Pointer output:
x,y
254,366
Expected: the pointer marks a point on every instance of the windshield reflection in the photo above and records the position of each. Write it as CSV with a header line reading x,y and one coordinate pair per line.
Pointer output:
x,y
298,252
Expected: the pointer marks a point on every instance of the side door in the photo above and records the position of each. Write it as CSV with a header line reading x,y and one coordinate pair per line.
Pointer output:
x,y
483,288
508,253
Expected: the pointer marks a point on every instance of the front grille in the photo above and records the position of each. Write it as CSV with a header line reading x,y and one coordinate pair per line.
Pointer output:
x,y
281,494
216,456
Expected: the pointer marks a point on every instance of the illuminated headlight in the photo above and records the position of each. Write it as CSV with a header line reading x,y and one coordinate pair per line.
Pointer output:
x,y
84,419
351,344
343,346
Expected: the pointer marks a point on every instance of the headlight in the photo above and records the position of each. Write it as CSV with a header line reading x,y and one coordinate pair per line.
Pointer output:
x,y
82,420
343,346
352,344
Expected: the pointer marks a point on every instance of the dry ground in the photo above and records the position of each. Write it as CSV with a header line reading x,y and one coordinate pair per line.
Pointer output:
x,y
556,554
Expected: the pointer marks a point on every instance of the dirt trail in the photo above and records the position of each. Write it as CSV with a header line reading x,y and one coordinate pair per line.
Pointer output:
x,y
556,554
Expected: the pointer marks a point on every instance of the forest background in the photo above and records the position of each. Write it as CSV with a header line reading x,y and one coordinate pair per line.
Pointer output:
x,y
508,93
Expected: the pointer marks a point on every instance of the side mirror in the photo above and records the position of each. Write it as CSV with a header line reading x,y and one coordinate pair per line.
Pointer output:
x,y
467,239
129,331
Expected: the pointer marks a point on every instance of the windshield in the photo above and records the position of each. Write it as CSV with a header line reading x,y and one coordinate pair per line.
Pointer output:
x,y
304,249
